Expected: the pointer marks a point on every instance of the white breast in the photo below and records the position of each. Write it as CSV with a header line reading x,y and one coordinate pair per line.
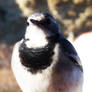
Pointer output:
x,y
36,36
40,82
30,82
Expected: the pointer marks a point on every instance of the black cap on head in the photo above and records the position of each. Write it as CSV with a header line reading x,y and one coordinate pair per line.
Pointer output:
x,y
44,21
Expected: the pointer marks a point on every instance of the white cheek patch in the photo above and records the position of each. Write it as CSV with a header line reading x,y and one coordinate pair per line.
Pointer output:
x,y
36,36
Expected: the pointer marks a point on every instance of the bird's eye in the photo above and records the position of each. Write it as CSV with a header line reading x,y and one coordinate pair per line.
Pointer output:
x,y
27,23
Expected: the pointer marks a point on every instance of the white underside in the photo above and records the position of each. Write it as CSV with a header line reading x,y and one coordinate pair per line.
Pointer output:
x,y
30,82
39,82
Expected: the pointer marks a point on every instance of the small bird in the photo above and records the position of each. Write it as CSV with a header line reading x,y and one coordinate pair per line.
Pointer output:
x,y
44,61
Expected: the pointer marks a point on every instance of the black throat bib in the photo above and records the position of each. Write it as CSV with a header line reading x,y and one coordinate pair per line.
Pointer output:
x,y
36,59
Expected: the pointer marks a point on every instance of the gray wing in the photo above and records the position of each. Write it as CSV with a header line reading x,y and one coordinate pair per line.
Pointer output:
x,y
70,52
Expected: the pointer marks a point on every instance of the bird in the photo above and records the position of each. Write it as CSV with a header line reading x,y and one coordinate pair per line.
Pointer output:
x,y
44,60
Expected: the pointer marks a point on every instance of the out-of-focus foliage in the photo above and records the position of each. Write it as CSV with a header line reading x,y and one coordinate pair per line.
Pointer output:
x,y
76,15
73,16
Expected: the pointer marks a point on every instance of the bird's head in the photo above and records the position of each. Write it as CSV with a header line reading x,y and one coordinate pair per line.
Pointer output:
x,y
41,28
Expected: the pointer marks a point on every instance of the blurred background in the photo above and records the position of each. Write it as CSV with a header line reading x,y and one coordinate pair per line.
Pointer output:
x,y
73,16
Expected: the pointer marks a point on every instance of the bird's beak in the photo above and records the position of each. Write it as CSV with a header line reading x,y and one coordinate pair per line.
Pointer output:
x,y
34,21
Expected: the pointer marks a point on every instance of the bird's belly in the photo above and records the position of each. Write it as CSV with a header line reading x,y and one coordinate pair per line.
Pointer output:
x,y
46,82
58,80
30,82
